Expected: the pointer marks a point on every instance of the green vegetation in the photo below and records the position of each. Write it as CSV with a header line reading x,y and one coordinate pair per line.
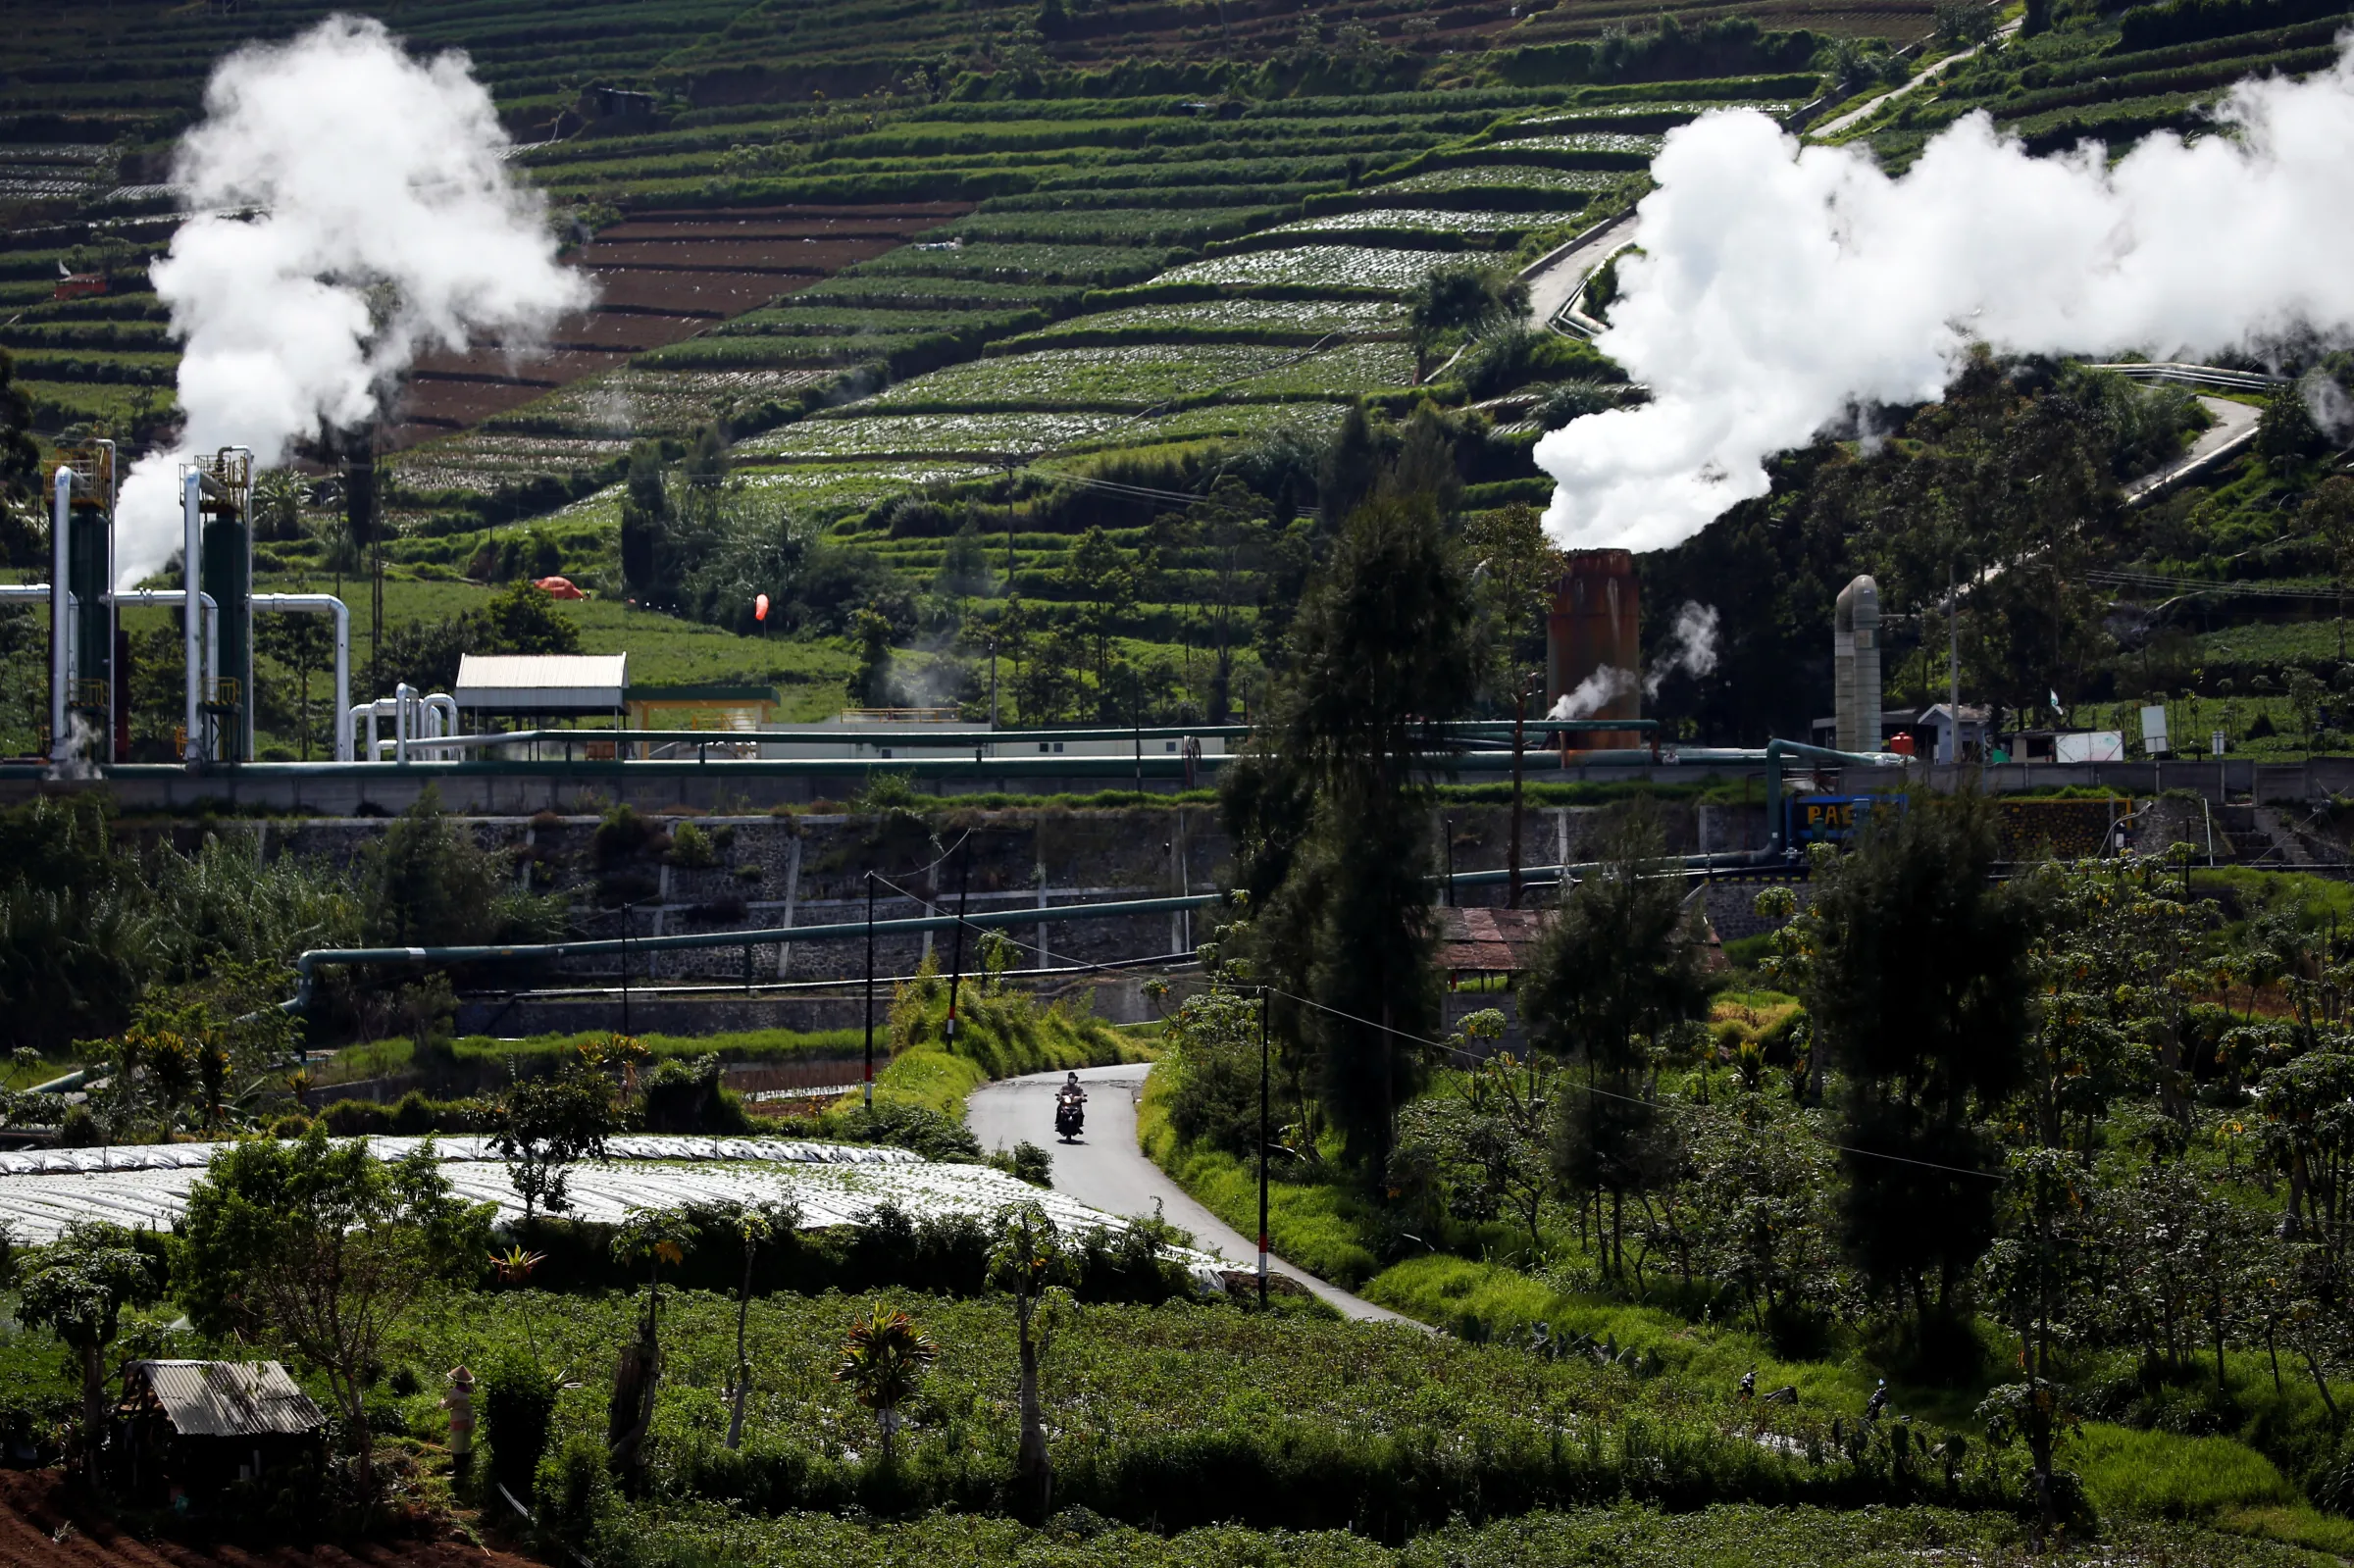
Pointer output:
x,y
1750,1208
999,1033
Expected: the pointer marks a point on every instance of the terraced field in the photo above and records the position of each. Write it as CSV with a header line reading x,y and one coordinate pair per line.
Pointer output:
x,y
1098,214
660,278
2158,70
1045,273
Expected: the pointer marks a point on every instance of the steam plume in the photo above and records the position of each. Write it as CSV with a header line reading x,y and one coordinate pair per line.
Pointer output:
x,y
386,226
1691,647
1779,288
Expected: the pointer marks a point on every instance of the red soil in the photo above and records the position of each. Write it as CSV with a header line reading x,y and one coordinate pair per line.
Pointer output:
x,y
660,276
44,1525
788,254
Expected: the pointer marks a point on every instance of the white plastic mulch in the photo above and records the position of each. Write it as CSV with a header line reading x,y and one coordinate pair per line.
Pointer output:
x,y
42,1191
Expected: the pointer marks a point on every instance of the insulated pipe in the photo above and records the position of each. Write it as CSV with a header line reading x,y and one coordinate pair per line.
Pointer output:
x,y
445,706
306,966
929,738
61,630
325,604
403,695
1777,750
172,598
191,522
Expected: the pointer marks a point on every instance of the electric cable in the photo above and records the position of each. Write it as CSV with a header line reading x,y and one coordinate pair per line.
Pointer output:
x,y
1457,1050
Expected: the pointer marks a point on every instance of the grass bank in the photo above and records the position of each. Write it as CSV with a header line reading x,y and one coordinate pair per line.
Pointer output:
x,y
1319,1226
999,1033
379,1057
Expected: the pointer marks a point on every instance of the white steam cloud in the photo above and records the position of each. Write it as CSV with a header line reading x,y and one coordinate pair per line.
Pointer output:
x,y
1691,647
384,226
1779,288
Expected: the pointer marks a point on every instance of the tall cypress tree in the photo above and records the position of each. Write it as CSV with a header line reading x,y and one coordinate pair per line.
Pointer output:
x,y
1332,814
1612,979
1920,998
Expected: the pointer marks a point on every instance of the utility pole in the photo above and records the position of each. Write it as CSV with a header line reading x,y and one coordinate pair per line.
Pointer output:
x,y
626,922
1447,828
964,888
1511,897
870,990
1953,662
1009,465
1262,1146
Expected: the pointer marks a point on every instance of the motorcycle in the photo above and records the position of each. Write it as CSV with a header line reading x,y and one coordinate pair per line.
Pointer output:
x,y
1070,1115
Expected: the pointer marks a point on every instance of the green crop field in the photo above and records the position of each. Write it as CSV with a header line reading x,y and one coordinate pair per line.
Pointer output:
x,y
1176,241
1241,320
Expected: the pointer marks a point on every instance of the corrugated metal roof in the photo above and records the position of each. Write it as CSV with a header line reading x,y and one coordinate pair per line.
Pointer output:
x,y
227,1399
551,671
1488,939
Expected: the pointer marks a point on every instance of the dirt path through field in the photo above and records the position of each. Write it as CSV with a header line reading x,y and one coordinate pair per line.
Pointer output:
x,y
45,1524
1107,1169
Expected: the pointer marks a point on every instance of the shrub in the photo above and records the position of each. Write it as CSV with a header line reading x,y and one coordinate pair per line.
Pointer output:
x,y
412,1114
691,848
575,1488
2185,21
932,1134
1211,1071
426,882
1030,1163
620,835
519,1401
683,1094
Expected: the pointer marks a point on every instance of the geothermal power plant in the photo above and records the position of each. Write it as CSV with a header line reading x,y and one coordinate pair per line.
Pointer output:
x,y
1595,680
89,669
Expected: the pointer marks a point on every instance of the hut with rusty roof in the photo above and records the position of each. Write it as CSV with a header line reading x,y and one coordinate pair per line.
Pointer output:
x,y
186,1430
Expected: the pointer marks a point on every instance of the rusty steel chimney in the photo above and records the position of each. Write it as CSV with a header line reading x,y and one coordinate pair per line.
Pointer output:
x,y
1594,627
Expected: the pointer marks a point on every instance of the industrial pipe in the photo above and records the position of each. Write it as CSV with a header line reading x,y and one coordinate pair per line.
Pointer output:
x,y
207,608
960,740
416,719
325,604
33,592
1776,750
60,619
307,965
191,522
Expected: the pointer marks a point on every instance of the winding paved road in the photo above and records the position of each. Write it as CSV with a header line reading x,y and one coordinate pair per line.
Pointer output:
x,y
2234,426
1107,1169
1556,279
1926,76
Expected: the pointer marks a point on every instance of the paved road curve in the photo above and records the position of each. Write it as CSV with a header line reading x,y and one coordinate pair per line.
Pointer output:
x,y
1556,281
1926,76
1107,1169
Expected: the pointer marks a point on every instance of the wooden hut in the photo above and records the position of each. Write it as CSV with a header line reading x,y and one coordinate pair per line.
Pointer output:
x,y
186,1430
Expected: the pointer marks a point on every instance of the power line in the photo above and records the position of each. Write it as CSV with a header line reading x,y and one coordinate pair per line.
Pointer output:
x,y
1605,1093
1631,1099
2193,585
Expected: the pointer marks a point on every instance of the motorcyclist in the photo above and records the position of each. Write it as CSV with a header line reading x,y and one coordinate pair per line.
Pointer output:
x,y
1069,1098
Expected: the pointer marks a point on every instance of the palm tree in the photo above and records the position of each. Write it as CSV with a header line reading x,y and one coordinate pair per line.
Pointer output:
x,y
514,1268
884,1358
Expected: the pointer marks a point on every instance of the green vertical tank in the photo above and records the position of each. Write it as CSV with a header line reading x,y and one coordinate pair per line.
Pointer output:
x,y
89,577
226,574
